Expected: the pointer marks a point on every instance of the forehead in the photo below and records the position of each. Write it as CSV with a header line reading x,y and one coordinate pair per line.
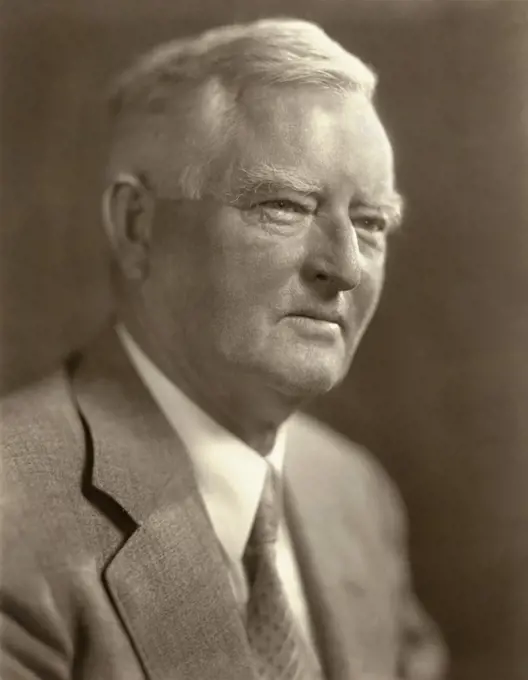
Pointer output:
x,y
323,138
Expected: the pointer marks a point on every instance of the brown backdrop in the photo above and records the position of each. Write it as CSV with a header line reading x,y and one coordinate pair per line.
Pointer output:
x,y
440,388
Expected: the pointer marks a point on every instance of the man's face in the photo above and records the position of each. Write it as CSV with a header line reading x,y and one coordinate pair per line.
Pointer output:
x,y
276,278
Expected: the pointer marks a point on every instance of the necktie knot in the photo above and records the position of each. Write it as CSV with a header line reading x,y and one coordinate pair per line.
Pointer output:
x,y
266,524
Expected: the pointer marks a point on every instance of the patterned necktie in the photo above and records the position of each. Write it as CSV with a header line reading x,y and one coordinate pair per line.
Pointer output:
x,y
279,651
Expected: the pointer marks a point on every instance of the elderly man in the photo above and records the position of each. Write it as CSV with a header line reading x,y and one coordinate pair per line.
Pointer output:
x,y
167,512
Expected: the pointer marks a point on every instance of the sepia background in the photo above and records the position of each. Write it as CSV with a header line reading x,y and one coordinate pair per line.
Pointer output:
x,y
439,390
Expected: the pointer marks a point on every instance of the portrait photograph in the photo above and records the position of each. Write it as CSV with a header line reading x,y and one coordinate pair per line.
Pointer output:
x,y
264,340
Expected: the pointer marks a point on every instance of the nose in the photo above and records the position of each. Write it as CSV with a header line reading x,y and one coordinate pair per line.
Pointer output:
x,y
334,260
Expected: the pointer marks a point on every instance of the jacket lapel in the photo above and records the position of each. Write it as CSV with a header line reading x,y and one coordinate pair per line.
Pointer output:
x,y
169,585
168,581
331,563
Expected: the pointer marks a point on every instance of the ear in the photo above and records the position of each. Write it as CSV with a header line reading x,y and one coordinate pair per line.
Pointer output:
x,y
128,214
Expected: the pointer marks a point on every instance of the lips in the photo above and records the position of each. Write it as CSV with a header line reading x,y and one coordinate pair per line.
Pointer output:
x,y
321,315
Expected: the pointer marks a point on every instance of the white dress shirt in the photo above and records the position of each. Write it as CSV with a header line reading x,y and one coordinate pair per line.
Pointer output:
x,y
230,477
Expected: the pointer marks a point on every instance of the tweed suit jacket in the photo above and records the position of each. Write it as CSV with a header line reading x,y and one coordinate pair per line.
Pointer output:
x,y
110,569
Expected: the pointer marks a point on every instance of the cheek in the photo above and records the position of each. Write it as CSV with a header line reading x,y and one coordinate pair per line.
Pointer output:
x,y
375,276
253,276
250,289
366,296
251,265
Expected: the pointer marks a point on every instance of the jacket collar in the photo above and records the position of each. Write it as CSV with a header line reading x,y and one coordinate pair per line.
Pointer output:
x,y
135,451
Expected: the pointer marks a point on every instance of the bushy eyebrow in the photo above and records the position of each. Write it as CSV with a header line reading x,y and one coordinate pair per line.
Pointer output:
x,y
268,179
396,203
393,204
396,209
264,178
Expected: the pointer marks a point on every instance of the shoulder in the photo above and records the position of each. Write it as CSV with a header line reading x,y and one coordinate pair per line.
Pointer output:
x,y
346,469
39,420
42,453
327,448
42,449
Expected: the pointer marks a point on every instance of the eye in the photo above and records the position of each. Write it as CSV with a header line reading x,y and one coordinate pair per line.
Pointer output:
x,y
372,223
283,205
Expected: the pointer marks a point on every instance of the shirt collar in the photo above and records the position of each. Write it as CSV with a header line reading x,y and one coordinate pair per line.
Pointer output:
x,y
229,473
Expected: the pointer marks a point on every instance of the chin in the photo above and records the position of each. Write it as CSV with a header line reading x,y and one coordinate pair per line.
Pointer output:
x,y
308,381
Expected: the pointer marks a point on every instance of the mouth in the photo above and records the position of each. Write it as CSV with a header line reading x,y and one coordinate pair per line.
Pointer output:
x,y
321,316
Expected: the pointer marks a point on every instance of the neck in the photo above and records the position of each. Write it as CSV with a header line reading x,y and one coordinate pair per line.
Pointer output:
x,y
250,410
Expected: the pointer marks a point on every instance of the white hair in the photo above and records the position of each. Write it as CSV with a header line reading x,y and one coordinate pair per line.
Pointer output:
x,y
200,81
